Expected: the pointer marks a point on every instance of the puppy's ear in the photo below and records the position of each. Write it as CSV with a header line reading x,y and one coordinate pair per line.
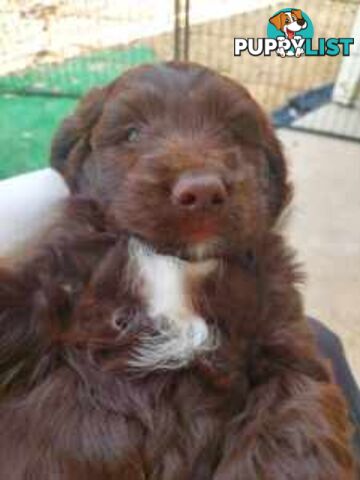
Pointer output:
x,y
279,188
71,143
278,20
254,128
297,13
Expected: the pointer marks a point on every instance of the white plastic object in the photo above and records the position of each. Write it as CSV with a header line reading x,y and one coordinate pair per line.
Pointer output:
x,y
28,204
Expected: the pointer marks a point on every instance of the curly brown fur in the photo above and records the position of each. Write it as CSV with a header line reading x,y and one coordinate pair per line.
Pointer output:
x,y
78,399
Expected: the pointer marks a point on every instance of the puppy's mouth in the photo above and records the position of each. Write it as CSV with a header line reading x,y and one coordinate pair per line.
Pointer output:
x,y
200,232
199,247
210,252
189,240
291,34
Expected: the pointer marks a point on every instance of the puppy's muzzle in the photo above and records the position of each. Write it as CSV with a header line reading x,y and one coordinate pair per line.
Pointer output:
x,y
301,22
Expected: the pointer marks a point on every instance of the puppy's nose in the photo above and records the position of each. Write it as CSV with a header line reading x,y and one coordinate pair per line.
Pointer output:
x,y
301,22
199,192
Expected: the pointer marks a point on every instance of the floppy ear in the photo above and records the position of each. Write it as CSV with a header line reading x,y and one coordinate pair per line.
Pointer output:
x,y
278,20
71,143
255,128
279,188
297,13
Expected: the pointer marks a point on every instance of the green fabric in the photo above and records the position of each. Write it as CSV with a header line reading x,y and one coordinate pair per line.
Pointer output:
x,y
28,122
27,126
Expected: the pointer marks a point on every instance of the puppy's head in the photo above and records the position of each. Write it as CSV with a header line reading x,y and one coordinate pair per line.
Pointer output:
x,y
179,156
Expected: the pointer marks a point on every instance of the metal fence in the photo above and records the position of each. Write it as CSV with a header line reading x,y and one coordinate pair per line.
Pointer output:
x,y
61,48
289,88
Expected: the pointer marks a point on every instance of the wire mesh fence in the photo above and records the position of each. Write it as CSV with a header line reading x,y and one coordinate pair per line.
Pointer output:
x,y
52,51
289,88
64,47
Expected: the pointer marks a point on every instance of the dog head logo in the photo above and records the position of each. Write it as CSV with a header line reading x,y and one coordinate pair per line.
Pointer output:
x,y
289,22
292,25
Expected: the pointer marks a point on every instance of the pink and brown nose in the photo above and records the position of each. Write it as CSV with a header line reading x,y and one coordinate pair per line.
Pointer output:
x,y
199,192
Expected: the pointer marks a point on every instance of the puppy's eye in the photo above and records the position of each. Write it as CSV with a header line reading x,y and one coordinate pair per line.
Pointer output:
x,y
287,21
132,134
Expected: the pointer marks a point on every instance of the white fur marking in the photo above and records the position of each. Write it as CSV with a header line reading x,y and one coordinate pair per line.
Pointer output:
x,y
181,333
201,251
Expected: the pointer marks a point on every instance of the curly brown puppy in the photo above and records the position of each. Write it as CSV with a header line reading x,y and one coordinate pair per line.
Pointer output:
x,y
157,333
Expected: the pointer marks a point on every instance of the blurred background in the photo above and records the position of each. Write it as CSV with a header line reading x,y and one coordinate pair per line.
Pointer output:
x,y
53,51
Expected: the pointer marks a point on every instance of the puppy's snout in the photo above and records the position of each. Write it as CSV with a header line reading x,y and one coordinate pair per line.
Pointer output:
x,y
301,22
199,192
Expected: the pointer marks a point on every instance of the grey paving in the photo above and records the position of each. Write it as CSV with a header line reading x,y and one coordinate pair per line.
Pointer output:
x,y
333,118
324,226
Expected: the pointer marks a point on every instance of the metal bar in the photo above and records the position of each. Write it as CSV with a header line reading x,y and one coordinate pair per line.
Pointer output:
x,y
187,31
177,30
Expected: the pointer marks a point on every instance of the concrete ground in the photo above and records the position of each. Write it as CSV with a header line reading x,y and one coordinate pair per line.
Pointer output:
x,y
333,118
324,227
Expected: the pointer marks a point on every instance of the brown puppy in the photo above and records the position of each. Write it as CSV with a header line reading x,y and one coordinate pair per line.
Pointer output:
x,y
158,333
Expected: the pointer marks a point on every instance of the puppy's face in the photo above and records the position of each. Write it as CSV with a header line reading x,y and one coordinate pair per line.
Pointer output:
x,y
180,157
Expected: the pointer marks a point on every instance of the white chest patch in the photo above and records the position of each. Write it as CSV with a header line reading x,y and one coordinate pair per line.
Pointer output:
x,y
181,333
